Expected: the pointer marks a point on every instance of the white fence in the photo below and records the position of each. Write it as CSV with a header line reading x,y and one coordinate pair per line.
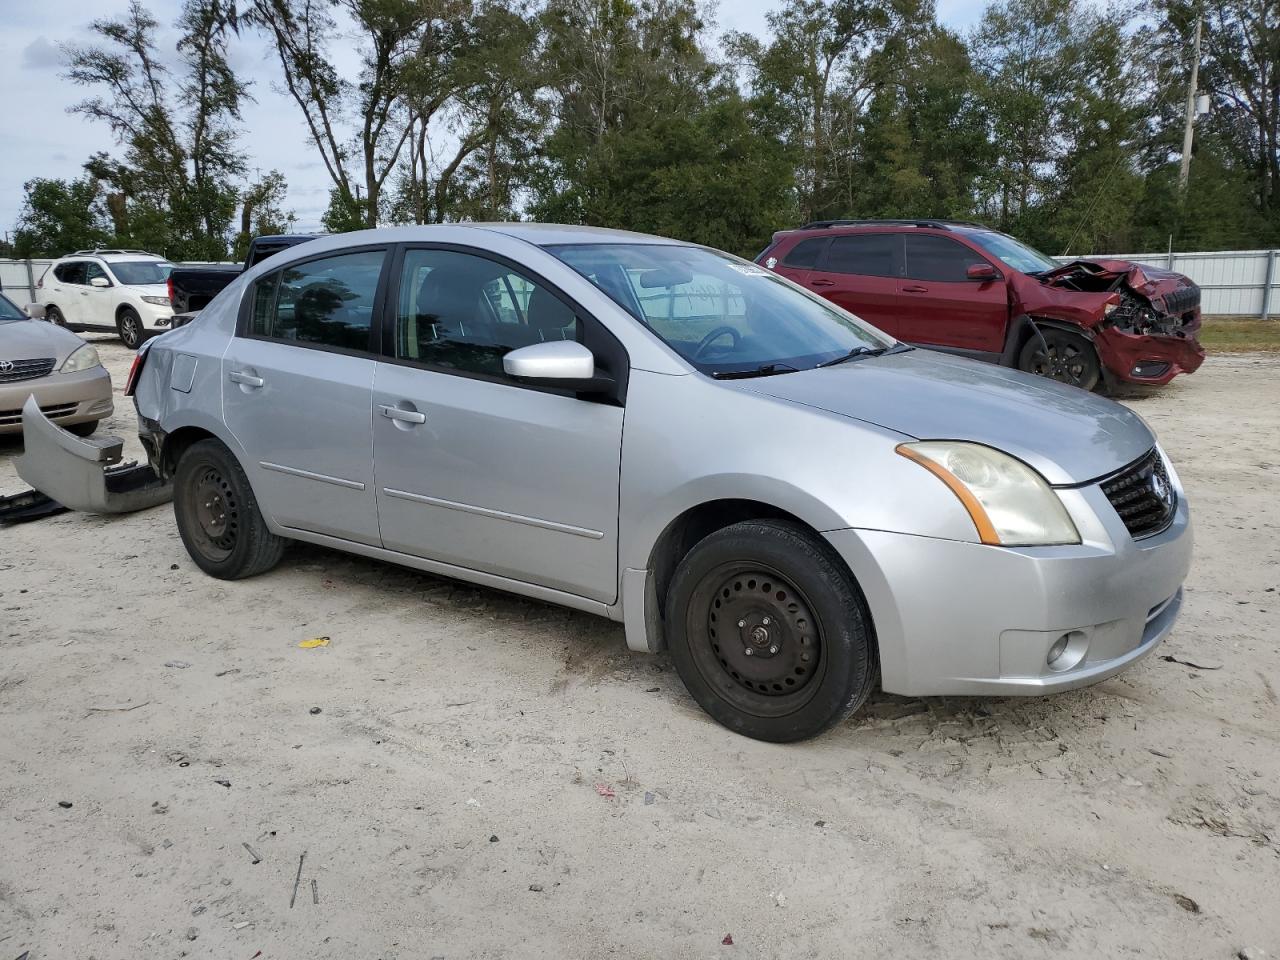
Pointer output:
x,y
1239,283
1235,283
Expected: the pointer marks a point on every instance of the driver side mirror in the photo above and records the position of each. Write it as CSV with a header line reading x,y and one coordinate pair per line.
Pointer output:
x,y
981,271
566,364
99,282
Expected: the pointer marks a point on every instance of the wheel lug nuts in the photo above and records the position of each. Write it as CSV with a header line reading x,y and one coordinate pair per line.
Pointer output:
x,y
742,623
765,621
774,648
749,652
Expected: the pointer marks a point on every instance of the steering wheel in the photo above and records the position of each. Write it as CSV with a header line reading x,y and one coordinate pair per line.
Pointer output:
x,y
715,335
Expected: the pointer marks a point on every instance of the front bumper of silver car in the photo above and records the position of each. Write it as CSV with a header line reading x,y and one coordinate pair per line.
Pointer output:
x,y
955,618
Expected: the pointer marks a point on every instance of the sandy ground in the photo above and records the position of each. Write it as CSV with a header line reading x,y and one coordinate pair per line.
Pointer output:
x,y
448,793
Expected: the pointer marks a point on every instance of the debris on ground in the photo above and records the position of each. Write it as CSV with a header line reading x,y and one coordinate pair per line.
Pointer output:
x,y
648,798
315,892
314,711
253,853
297,880
177,664
535,888
493,838
1186,903
314,642
605,791
728,940
1170,658
65,804
223,783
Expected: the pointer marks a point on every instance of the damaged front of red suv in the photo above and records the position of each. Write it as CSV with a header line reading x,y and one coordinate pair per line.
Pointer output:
x,y
1143,320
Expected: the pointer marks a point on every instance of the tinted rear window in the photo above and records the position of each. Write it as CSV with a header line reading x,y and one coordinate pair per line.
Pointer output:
x,y
865,254
804,255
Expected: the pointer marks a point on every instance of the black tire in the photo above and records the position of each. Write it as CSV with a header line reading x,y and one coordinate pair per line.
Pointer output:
x,y
54,316
1062,356
84,429
218,516
771,587
129,327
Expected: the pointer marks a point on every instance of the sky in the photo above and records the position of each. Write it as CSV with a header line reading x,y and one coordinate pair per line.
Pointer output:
x,y
41,139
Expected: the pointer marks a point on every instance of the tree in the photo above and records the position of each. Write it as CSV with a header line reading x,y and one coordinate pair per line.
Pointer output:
x,y
180,162
59,216
262,212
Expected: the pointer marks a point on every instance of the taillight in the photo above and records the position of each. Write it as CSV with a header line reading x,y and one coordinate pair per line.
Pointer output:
x,y
131,381
169,285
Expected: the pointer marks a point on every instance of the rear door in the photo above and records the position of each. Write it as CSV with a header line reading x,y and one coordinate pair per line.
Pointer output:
x,y
480,471
860,272
941,306
298,391
64,292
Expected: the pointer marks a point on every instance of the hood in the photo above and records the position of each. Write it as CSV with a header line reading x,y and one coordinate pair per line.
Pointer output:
x,y
1070,436
1153,283
35,339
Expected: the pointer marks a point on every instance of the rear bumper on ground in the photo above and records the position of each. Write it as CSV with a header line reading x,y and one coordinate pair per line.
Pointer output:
x,y
956,618
65,398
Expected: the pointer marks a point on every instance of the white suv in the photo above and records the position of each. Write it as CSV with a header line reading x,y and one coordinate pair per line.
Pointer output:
x,y
125,291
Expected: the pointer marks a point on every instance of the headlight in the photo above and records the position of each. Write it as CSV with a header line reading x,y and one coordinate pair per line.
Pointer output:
x,y
1011,505
83,358
158,301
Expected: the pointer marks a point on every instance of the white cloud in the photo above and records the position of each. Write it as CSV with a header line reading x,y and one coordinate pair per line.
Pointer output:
x,y
40,54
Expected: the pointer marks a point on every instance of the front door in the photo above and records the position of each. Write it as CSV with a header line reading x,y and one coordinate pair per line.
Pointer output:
x,y
96,302
474,469
298,393
860,273
941,306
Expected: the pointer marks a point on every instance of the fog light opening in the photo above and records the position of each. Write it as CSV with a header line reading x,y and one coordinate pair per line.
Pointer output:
x,y
1067,651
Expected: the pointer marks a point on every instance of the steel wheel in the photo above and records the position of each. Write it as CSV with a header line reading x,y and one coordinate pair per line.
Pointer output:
x,y
214,509
1061,356
758,632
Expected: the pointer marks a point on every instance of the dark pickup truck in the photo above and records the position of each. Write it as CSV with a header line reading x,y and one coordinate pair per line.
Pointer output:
x,y
191,288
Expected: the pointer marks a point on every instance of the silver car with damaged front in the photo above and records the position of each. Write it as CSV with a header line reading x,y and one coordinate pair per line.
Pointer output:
x,y
783,497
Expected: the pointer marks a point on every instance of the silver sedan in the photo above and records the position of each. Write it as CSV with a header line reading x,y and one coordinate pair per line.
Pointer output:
x,y
790,502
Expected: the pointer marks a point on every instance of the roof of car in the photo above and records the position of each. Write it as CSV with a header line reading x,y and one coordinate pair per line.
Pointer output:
x,y
926,222
115,255
552,234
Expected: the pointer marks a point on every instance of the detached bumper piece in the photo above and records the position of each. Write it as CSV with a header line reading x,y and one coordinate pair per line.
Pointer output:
x,y
84,473
30,505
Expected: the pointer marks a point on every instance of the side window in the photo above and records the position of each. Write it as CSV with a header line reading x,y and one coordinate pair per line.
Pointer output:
x,y
71,272
464,312
936,258
865,254
327,302
804,255
92,270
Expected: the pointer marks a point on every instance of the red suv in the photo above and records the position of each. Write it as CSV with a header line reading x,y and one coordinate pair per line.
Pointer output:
x,y
963,288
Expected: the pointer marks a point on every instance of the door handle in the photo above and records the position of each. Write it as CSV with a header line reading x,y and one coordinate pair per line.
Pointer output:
x,y
913,288
405,416
247,379
822,283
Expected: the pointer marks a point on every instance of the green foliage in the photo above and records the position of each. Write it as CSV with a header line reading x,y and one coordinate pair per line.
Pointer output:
x,y
59,216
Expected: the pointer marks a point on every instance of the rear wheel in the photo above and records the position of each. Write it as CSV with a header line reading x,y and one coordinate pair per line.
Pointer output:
x,y
769,633
54,316
129,326
1062,356
218,516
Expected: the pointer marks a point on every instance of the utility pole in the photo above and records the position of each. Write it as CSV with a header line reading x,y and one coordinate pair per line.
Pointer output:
x,y
1189,130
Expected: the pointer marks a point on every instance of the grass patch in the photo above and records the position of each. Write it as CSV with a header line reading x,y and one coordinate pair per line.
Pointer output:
x,y
1241,336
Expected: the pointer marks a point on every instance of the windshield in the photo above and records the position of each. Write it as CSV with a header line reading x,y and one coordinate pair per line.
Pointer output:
x,y
1014,253
9,311
722,314
137,273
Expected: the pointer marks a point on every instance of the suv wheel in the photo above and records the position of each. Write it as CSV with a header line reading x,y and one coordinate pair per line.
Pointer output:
x,y
1062,356
218,516
129,326
54,316
769,633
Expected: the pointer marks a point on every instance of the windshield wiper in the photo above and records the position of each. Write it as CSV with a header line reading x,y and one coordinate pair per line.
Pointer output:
x,y
764,370
862,350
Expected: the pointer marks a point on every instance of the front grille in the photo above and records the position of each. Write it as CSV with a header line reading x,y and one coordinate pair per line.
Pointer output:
x,y
10,418
1183,300
11,371
1143,495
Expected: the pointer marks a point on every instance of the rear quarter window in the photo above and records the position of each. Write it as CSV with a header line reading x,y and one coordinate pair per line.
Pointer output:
x,y
805,254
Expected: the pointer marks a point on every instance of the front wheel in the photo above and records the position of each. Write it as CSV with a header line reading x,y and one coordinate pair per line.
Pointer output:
x,y
1062,356
769,633
129,326
218,516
